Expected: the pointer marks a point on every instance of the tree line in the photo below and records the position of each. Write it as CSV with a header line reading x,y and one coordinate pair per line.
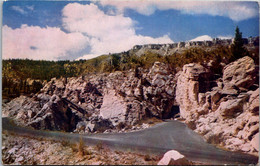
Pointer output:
x,y
25,76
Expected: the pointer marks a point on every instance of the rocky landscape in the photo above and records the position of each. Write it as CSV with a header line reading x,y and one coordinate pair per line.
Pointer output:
x,y
88,103
226,114
224,108
28,151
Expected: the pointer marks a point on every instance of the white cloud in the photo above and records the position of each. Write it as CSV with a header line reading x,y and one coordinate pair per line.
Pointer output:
x,y
88,56
225,37
31,8
34,42
202,38
88,28
22,10
107,33
18,9
236,11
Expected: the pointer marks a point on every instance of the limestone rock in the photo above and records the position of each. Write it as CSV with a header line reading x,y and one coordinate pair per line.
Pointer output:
x,y
158,68
137,94
215,96
231,108
223,110
113,107
254,102
54,115
229,115
170,90
255,142
173,157
241,73
159,80
193,80
22,109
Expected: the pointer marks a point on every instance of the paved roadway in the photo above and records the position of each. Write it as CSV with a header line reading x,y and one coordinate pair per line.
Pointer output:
x,y
155,140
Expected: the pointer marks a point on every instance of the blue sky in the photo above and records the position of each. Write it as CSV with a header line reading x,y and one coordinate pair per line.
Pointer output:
x,y
55,30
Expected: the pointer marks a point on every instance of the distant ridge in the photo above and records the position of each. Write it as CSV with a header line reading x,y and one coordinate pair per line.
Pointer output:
x,y
251,41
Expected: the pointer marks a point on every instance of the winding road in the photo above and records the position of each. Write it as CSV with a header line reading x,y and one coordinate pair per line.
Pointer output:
x,y
155,140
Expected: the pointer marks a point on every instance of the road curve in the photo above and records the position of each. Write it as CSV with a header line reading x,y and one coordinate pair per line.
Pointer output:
x,y
155,140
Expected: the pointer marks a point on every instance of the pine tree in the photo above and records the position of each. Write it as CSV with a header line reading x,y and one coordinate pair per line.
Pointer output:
x,y
237,48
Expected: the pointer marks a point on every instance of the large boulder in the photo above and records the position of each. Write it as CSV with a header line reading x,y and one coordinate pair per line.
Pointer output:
x,y
240,73
173,157
232,108
113,107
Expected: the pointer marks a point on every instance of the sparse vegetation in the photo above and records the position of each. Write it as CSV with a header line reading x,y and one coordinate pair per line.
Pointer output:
x,y
81,146
26,76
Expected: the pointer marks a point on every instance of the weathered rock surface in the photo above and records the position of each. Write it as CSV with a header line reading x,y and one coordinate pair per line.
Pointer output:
x,y
113,107
255,142
192,82
227,116
173,157
224,109
241,73
42,112
87,103
14,109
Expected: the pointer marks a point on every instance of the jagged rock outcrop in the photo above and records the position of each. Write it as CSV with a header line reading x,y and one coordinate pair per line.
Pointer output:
x,y
227,116
22,108
90,102
138,94
42,112
55,114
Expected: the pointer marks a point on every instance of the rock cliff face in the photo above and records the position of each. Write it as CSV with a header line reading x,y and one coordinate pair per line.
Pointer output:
x,y
224,109
226,114
98,101
192,84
